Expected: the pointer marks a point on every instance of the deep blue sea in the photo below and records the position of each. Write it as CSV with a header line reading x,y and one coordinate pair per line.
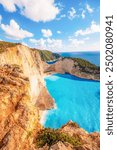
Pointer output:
x,y
93,57
76,99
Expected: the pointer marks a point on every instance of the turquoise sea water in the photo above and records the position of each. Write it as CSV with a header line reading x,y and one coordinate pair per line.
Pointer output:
x,y
93,57
76,99
51,62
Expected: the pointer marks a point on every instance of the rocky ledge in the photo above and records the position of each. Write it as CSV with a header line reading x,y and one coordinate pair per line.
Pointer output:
x,y
18,116
68,137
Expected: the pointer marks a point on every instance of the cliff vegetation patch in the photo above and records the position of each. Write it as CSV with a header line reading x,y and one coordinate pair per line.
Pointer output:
x,y
52,136
4,45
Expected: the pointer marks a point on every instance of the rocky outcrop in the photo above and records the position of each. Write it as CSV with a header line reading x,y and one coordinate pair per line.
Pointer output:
x,y
22,95
90,141
32,66
72,66
87,141
18,115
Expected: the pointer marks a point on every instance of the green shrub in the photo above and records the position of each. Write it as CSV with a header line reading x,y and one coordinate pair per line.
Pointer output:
x,y
50,136
47,55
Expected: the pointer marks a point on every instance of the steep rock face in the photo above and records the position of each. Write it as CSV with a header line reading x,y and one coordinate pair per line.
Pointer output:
x,y
18,116
22,95
31,64
68,65
90,141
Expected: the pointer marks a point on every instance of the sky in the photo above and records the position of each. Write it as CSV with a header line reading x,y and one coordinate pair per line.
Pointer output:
x,y
56,25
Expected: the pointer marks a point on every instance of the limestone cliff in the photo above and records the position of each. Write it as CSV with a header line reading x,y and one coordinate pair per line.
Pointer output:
x,y
75,66
22,95
30,63
18,115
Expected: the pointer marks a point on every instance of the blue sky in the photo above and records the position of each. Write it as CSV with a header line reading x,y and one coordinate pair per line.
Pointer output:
x,y
56,25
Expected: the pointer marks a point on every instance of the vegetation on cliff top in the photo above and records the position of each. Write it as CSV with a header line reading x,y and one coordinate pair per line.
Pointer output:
x,y
51,136
4,45
83,63
47,55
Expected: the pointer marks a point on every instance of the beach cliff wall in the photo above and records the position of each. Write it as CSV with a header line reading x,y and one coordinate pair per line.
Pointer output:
x,y
23,95
32,67
74,66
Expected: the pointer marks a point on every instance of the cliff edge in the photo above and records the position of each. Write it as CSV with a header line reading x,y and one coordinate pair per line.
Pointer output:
x,y
23,95
32,67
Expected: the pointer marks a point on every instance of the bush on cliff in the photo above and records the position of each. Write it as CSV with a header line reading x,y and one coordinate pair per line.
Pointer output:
x,y
50,136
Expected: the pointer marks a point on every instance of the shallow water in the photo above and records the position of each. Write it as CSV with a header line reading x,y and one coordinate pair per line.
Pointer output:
x,y
51,62
76,99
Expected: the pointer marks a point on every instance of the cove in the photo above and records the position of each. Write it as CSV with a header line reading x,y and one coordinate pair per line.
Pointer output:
x,y
76,99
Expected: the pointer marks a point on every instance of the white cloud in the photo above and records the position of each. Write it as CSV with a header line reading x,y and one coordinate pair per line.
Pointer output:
x,y
0,19
46,32
25,44
49,44
14,31
90,30
71,44
87,38
83,14
76,42
61,17
76,45
9,5
84,44
89,9
54,44
59,32
36,10
40,43
72,13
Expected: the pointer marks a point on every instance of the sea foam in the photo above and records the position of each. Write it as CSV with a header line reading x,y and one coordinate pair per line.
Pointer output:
x,y
43,117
